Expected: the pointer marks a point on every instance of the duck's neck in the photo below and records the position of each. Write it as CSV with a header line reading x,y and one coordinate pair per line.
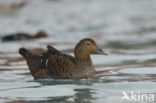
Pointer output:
x,y
83,58
81,55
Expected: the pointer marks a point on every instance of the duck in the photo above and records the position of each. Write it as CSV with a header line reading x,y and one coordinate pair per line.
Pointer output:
x,y
57,65
23,36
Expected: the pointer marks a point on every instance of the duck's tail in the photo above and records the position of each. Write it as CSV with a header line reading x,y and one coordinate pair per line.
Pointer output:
x,y
24,52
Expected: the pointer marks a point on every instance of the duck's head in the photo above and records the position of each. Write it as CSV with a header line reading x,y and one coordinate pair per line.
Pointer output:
x,y
87,47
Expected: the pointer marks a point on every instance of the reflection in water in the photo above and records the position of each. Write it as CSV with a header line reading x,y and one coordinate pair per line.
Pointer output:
x,y
84,95
53,100
64,82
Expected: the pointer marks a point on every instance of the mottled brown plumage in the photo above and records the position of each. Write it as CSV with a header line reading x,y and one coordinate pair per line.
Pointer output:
x,y
55,64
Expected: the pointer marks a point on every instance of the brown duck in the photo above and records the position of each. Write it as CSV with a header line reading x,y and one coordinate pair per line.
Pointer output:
x,y
54,64
24,36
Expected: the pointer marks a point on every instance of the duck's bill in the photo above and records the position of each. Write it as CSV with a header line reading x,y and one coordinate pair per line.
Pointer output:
x,y
102,52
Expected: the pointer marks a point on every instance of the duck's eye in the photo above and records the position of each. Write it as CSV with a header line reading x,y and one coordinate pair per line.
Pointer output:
x,y
88,43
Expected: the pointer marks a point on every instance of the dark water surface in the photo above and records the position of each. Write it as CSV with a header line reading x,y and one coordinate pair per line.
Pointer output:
x,y
125,28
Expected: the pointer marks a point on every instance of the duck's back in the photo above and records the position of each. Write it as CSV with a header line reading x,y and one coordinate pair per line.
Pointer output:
x,y
63,66
60,65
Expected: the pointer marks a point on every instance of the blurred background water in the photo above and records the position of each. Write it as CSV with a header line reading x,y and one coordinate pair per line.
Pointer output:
x,y
125,28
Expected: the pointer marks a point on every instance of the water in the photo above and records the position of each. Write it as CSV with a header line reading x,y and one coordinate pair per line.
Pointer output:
x,y
125,28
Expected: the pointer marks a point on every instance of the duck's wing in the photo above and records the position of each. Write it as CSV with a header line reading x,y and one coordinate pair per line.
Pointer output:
x,y
60,65
50,51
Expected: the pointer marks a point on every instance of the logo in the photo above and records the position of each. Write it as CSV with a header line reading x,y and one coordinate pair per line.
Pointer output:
x,y
138,97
